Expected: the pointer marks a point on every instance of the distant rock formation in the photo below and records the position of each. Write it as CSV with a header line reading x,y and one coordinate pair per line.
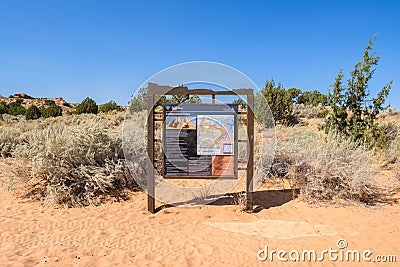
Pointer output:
x,y
28,100
59,101
23,96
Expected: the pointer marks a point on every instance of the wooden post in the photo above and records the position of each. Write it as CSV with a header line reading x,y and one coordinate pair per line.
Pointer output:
x,y
150,151
250,164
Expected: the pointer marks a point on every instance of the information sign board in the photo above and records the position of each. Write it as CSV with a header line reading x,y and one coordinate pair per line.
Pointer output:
x,y
200,140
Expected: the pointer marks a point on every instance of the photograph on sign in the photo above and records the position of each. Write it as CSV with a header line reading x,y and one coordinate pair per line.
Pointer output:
x,y
177,122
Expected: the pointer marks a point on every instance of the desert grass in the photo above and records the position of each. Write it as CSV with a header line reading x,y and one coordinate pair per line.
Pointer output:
x,y
389,113
135,146
328,168
241,200
392,154
397,172
9,139
75,160
310,112
393,157
71,160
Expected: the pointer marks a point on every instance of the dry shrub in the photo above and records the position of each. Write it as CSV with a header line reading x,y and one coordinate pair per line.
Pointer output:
x,y
13,128
74,163
388,113
135,146
241,200
9,139
392,154
9,119
397,171
388,136
110,120
310,112
330,168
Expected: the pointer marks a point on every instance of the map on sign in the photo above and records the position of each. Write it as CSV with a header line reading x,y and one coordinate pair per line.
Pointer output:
x,y
215,134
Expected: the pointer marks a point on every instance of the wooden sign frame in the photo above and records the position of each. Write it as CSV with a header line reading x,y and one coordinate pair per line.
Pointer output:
x,y
155,90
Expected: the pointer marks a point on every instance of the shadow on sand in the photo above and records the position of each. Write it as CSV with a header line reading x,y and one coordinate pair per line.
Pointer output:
x,y
261,199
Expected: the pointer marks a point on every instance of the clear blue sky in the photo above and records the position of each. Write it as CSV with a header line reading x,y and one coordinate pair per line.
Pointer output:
x,y
106,49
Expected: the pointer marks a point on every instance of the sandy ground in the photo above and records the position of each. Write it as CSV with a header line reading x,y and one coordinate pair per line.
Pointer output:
x,y
220,234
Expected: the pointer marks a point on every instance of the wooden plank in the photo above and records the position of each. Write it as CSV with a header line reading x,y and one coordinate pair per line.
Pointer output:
x,y
150,151
156,89
236,145
197,177
250,164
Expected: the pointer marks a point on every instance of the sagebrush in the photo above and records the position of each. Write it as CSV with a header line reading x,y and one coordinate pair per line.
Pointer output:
x,y
9,139
73,163
328,169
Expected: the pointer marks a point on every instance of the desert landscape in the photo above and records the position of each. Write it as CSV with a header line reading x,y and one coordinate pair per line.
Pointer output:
x,y
199,133
41,228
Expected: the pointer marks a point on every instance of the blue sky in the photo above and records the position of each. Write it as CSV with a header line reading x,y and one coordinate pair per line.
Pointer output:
x,y
106,49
